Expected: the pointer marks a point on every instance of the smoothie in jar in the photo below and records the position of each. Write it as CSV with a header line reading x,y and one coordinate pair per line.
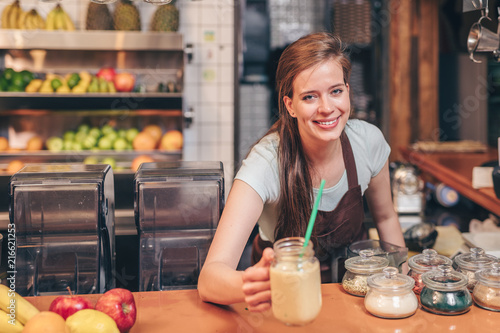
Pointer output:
x,y
295,282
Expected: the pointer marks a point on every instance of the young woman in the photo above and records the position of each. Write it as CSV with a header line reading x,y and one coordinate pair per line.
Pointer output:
x,y
279,180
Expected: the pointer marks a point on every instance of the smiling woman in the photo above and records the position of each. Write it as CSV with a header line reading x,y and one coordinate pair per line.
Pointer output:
x,y
312,140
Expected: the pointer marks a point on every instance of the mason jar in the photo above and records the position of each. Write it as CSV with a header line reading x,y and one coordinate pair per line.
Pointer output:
x,y
295,282
471,262
486,293
390,295
445,291
359,269
424,262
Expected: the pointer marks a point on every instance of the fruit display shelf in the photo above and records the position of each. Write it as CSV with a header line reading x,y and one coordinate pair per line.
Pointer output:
x,y
103,101
90,40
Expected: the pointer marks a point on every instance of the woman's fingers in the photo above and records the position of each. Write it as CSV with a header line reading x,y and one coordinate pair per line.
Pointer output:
x,y
252,288
259,307
256,283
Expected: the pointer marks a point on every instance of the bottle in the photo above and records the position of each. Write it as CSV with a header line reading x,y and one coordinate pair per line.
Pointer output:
x,y
359,269
390,295
295,282
471,262
425,262
445,291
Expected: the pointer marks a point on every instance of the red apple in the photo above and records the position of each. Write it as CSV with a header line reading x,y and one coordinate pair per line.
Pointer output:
x,y
107,73
66,305
124,82
119,304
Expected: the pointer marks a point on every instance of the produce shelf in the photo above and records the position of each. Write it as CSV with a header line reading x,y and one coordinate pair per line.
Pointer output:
x,y
90,40
103,101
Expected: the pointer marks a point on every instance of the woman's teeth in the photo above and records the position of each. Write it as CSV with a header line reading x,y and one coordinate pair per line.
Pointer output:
x,y
327,122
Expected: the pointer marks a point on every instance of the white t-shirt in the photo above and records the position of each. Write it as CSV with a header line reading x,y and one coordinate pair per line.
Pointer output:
x,y
260,170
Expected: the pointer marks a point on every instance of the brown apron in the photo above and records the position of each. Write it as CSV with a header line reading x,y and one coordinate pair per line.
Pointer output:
x,y
336,229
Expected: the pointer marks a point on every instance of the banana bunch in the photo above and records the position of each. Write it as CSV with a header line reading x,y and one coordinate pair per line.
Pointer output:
x,y
12,302
58,19
10,15
8,326
30,20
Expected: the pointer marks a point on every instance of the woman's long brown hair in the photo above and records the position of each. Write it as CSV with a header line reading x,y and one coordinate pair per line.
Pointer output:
x,y
296,188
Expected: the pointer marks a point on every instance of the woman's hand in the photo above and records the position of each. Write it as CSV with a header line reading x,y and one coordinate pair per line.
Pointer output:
x,y
256,283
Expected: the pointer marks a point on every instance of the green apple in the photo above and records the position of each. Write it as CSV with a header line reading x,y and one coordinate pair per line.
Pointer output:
x,y
90,160
112,136
122,133
68,145
105,143
120,144
54,144
77,146
89,142
80,136
83,128
95,132
131,134
107,129
68,136
109,160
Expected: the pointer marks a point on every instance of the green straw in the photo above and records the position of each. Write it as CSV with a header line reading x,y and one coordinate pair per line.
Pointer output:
x,y
314,212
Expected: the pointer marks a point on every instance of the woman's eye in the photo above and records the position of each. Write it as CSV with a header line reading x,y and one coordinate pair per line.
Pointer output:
x,y
307,97
337,91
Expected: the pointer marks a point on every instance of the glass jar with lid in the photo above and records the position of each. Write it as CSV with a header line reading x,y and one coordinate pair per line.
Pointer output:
x,y
295,282
471,262
486,293
359,268
445,291
424,262
390,294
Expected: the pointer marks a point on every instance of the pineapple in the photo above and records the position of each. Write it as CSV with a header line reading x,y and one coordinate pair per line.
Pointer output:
x,y
165,18
126,16
99,17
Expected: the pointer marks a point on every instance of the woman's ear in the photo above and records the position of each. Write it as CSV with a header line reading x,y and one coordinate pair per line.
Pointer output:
x,y
288,103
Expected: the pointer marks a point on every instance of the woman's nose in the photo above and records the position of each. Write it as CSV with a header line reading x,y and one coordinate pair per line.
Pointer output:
x,y
325,105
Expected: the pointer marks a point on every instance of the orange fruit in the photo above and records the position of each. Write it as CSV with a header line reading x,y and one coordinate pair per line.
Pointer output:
x,y
136,162
46,322
14,166
154,130
35,143
144,141
172,140
4,143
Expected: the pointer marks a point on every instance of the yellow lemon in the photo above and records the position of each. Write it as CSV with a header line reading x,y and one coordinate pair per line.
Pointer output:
x,y
91,321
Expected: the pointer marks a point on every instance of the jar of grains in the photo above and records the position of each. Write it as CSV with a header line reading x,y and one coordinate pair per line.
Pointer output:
x,y
359,268
390,295
425,262
486,293
445,291
471,262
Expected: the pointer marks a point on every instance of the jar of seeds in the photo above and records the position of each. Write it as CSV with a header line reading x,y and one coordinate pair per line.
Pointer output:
x,y
359,269
486,293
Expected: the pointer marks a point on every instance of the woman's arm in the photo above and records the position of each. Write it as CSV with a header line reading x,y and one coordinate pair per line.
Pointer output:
x,y
219,281
379,199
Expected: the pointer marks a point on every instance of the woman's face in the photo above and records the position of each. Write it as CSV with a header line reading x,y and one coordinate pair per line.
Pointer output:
x,y
320,102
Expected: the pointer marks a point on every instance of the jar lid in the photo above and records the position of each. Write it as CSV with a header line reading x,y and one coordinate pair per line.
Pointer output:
x,y
390,280
475,260
366,262
444,278
428,260
489,276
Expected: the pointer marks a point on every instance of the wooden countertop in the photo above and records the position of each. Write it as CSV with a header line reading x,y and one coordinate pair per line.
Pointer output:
x,y
184,311
455,170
